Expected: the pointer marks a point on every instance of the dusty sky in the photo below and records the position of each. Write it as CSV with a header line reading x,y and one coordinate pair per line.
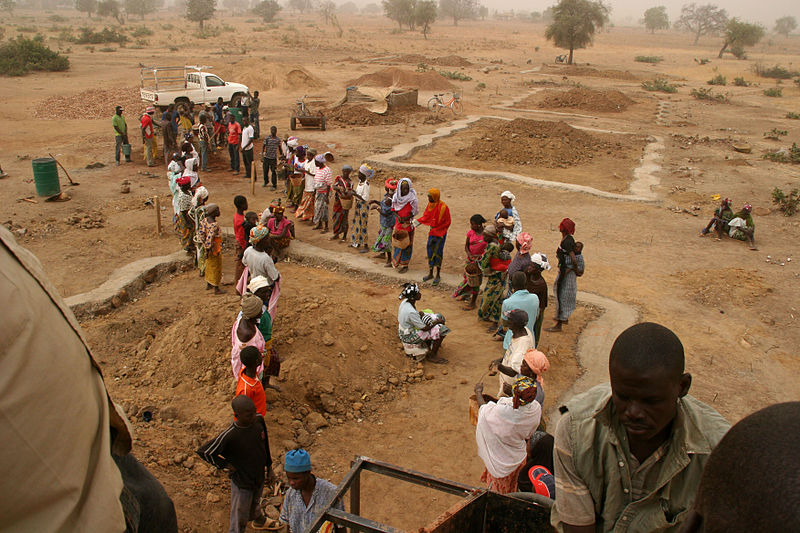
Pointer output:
x,y
630,11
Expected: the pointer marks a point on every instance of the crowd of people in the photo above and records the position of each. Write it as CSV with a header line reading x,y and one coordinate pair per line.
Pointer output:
x,y
629,454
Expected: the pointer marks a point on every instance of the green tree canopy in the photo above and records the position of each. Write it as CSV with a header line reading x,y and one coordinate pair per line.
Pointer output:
x,y
140,7
200,10
400,11
785,25
656,18
110,8
425,15
575,23
86,6
267,10
300,5
739,34
458,9
702,20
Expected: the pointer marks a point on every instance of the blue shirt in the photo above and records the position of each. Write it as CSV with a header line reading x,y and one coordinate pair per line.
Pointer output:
x,y
388,216
526,301
294,511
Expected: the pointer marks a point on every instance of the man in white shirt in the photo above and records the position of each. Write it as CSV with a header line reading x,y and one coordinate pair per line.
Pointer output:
x,y
248,134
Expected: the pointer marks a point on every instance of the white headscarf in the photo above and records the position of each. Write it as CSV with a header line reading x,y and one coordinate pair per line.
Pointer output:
x,y
501,434
540,260
509,195
191,170
399,201
200,193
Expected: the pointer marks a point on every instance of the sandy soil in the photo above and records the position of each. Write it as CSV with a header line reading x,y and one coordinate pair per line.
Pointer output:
x,y
735,310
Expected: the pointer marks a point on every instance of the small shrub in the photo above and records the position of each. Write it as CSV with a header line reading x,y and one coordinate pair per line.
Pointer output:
x,y
784,156
455,75
795,116
141,43
19,56
719,79
776,72
774,92
648,59
56,18
659,84
259,29
741,82
787,204
775,134
106,35
167,27
209,31
26,29
141,31
703,61
708,94
481,86
107,49
173,48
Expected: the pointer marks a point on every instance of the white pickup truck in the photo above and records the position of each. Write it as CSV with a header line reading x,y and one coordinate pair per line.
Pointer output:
x,y
161,86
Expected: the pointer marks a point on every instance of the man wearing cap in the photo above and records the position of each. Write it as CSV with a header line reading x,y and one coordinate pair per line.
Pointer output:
x,y
307,494
146,125
121,133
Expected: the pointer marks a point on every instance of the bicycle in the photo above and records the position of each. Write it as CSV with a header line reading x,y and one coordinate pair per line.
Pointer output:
x,y
436,103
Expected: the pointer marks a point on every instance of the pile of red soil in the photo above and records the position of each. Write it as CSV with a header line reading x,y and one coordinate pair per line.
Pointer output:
x,y
357,115
92,103
538,143
579,98
393,76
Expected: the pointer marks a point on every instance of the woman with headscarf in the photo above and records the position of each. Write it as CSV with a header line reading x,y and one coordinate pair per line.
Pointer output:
x,y
412,323
261,287
504,428
281,229
507,220
521,341
210,235
190,171
245,332
742,227
566,287
538,286
474,248
296,170
361,211
323,179
305,211
184,226
342,197
198,214
437,216
383,244
520,263
405,206
493,268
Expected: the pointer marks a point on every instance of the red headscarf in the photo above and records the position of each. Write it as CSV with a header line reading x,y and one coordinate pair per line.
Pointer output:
x,y
568,226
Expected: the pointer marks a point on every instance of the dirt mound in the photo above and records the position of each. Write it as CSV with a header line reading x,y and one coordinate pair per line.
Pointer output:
x,y
301,78
92,103
579,98
446,61
724,287
357,115
575,70
538,143
393,76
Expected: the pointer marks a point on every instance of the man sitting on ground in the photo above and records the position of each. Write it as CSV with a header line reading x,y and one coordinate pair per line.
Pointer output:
x,y
630,457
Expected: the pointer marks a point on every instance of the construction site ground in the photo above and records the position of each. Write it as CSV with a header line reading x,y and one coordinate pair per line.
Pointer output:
x,y
346,388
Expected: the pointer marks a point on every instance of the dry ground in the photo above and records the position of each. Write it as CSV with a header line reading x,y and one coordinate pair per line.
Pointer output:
x,y
735,310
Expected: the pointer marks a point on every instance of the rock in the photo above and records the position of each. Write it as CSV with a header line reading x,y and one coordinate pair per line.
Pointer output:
x,y
326,387
296,424
178,458
150,276
21,232
328,402
393,381
163,463
444,372
463,381
212,498
304,438
358,406
288,444
417,373
315,421
272,395
115,301
363,348
190,493
327,340
189,462
169,412
429,376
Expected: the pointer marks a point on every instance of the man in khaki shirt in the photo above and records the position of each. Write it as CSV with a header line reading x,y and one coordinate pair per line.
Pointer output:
x,y
629,457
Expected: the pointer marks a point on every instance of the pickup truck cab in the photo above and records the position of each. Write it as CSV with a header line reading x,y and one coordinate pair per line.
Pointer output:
x,y
161,86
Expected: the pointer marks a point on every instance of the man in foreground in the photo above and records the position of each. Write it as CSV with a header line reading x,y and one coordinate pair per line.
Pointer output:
x,y
307,494
630,457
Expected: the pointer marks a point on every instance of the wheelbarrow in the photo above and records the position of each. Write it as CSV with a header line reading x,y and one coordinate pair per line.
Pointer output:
x,y
305,117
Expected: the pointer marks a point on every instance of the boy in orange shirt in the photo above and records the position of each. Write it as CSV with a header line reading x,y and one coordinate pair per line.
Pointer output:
x,y
248,384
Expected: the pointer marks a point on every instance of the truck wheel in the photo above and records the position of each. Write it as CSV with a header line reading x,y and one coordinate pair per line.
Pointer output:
x,y
293,123
236,100
182,101
322,124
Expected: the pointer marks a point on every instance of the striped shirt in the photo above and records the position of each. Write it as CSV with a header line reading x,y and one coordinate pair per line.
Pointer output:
x,y
323,178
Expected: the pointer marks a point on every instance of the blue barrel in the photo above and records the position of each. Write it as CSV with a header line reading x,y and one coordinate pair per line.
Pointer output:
x,y
45,176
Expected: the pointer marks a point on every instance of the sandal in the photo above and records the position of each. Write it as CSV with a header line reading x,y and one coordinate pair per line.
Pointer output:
x,y
436,281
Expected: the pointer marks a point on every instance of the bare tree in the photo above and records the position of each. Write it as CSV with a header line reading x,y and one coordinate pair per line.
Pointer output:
x,y
702,20
458,9
86,6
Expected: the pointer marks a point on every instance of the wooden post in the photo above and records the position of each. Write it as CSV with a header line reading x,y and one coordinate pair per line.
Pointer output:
x,y
157,204
253,178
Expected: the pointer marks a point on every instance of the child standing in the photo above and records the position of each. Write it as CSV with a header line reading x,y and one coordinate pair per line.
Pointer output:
x,y
474,248
240,202
248,383
243,450
211,236
383,244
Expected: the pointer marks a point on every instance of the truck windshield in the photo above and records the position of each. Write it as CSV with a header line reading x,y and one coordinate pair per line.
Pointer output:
x,y
213,81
